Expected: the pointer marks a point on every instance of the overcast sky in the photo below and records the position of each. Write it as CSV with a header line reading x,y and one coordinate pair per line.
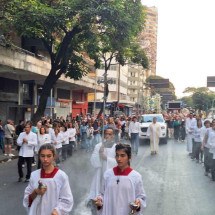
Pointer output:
x,y
186,41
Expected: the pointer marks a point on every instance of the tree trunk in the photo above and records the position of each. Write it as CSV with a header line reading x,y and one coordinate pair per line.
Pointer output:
x,y
46,89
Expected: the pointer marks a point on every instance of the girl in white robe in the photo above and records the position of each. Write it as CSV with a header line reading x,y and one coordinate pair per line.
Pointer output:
x,y
55,197
122,186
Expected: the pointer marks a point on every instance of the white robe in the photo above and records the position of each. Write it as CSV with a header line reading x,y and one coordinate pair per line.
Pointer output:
x,y
190,124
100,167
117,196
58,195
154,133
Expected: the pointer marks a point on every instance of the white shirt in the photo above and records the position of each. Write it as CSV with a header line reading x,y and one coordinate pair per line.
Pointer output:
x,y
57,140
27,149
134,127
190,124
65,136
42,139
72,133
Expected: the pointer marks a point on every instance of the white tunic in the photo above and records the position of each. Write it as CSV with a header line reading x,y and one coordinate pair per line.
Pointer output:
x,y
27,149
58,195
65,137
57,140
117,196
154,132
72,133
43,139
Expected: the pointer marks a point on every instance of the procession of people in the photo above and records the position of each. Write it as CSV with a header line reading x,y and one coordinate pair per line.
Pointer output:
x,y
51,142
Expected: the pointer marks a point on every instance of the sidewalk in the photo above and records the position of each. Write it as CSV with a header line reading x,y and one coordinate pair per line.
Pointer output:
x,y
4,158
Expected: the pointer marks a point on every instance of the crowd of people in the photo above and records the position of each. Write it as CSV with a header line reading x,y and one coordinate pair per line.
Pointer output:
x,y
58,139
49,143
200,138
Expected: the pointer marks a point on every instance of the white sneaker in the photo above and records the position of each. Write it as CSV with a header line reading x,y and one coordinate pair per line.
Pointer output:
x,y
23,165
5,154
11,155
33,164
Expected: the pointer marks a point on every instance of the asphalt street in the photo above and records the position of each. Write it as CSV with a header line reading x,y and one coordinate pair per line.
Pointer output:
x,y
174,184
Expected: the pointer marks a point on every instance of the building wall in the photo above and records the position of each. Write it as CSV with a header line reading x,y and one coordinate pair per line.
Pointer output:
x,y
148,37
137,75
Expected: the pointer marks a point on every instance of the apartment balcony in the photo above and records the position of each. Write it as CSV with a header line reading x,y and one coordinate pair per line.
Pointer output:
x,y
19,64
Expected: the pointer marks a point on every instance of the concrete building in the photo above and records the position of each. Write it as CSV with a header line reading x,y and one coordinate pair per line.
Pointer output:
x,y
117,99
22,73
138,91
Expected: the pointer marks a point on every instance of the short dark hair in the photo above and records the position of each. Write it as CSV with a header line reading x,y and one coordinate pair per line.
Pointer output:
x,y
125,147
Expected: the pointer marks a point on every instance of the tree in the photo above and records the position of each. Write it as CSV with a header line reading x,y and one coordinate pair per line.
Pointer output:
x,y
69,28
117,37
200,98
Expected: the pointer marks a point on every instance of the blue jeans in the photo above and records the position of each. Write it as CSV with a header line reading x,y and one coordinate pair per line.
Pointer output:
x,y
134,142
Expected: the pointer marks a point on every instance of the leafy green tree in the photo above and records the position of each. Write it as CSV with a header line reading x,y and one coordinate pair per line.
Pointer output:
x,y
117,37
69,28
201,97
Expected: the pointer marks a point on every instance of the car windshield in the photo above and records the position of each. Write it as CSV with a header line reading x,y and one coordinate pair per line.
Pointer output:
x,y
150,118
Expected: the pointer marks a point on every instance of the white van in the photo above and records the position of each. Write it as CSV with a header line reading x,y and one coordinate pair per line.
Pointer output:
x,y
146,120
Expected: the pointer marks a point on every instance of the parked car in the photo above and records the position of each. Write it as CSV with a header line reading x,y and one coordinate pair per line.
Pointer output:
x,y
146,120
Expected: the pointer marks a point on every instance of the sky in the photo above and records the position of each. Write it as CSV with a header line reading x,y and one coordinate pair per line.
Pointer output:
x,y
186,42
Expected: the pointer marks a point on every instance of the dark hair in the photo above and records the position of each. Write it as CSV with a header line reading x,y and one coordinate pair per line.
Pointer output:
x,y
206,121
126,148
29,123
197,121
42,128
48,146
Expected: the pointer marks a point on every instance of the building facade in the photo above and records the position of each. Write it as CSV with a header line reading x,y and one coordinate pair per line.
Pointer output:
x,y
22,74
138,91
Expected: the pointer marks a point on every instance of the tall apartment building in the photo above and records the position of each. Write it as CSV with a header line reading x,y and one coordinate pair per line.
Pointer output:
x,y
137,90
117,77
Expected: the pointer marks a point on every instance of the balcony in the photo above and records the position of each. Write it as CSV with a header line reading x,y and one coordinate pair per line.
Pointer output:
x,y
19,64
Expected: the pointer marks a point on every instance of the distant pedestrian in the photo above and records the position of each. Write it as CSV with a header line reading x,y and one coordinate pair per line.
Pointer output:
x,y
190,124
19,129
206,147
170,127
154,133
176,126
197,140
43,138
48,192
56,140
134,130
210,141
28,141
9,130
2,137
